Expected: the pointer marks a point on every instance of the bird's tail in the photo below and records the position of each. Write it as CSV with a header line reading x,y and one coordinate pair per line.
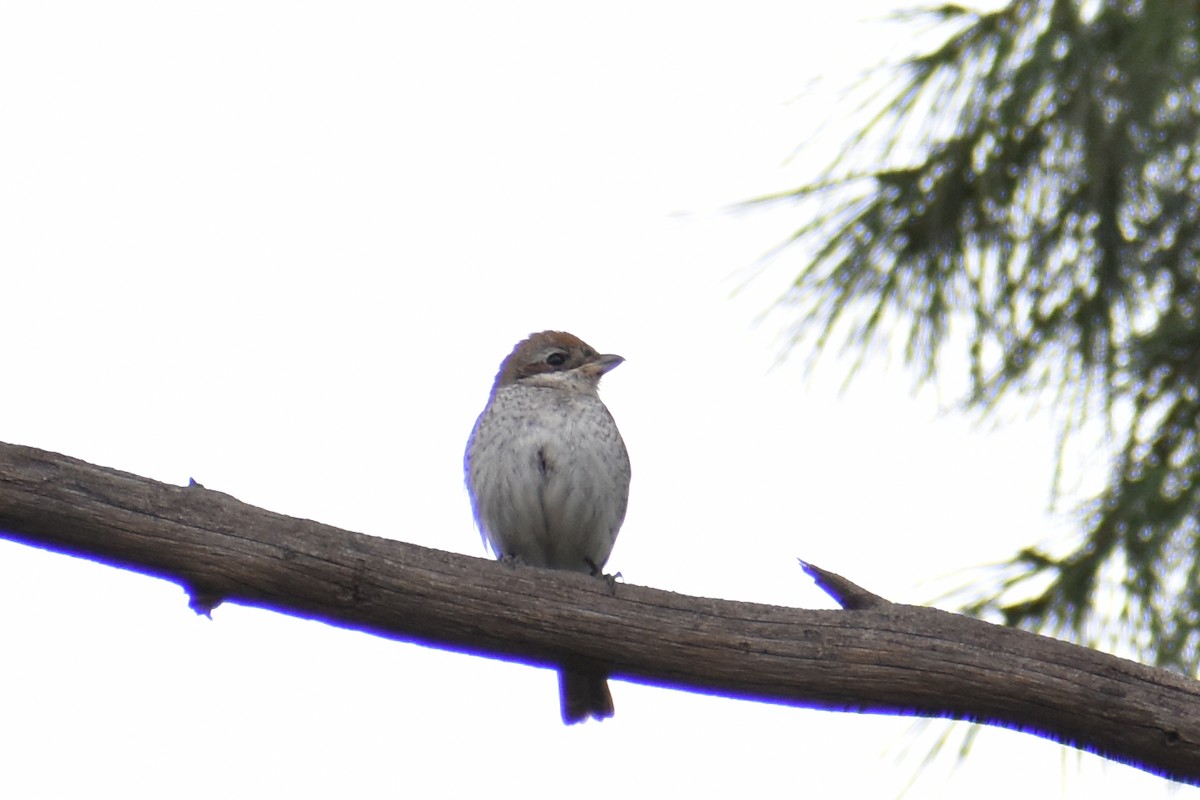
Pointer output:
x,y
583,694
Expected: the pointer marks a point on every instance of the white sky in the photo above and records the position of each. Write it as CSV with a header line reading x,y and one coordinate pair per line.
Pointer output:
x,y
282,248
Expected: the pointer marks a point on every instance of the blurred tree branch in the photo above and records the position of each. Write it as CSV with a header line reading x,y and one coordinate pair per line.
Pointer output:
x,y
1028,190
882,657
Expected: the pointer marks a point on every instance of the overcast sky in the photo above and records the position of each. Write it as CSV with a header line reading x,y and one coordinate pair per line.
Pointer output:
x,y
281,248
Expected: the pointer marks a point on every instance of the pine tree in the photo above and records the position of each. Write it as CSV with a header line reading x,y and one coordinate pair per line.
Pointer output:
x,y
1031,187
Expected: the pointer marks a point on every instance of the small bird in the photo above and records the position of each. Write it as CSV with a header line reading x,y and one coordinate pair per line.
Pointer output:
x,y
548,475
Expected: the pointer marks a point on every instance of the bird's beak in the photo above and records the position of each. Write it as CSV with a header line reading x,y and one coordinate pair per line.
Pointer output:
x,y
600,365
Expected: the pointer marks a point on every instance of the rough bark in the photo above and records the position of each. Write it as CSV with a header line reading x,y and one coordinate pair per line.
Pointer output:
x,y
874,656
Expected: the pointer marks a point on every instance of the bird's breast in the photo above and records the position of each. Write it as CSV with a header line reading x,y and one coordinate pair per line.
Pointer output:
x,y
549,477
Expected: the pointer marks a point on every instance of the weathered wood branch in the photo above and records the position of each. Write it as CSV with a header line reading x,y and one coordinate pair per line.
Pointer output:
x,y
879,656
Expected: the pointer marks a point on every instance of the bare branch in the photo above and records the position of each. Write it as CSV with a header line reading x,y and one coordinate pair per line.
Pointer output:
x,y
849,596
885,657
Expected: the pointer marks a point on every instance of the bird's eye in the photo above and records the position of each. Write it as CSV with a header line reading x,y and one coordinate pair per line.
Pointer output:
x,y
556,359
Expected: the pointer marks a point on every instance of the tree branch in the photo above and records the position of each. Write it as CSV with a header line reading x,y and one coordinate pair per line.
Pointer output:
x,y
879,657
849,596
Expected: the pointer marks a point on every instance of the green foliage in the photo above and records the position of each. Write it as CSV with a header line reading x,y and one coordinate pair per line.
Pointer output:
x,y
1031,187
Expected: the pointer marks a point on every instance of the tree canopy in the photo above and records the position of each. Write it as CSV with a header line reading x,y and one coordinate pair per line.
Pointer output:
x,y
1029,188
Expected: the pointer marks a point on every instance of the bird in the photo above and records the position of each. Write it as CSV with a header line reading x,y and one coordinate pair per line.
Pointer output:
x,y
548,476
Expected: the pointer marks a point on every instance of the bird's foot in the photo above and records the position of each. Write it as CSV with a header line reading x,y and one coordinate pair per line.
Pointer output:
x,y
612,580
